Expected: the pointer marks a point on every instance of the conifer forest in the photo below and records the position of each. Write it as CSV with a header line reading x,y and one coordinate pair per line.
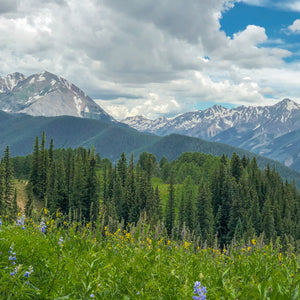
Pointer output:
x,y
201,208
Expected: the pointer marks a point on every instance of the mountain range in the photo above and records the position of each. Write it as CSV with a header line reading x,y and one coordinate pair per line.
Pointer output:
x,y
47,94
111,139
47,102
271,131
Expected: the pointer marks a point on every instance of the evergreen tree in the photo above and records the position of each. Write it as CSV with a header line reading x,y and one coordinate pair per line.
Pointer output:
x,y
205,217
236,166
170,208
79,187
35,167
188,203
43,169
92,191
132,206
268,220
51,152
61,186
156,211
255,214
69,173
7,181
122,168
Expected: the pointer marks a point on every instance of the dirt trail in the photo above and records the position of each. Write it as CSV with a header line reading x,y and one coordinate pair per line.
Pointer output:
x,y
21,194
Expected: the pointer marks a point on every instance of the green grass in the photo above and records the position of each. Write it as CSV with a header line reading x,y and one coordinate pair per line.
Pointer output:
x,y
135,264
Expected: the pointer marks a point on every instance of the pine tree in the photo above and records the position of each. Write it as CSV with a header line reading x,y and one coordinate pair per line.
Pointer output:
x,y
79,187
35,167
130,193
51,152
122,168
61,186
255,214
156,211
188,203
205,217
236,166
268,220
7,181
69,173
51,196
43,169
92,189
170,208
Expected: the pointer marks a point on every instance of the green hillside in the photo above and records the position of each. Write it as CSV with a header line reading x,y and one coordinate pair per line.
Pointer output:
x,y
111,139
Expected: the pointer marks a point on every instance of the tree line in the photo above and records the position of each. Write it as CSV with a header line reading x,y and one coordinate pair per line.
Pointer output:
x,y
207,197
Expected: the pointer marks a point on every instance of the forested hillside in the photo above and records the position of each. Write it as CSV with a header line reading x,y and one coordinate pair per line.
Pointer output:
x,y
204,197
110,140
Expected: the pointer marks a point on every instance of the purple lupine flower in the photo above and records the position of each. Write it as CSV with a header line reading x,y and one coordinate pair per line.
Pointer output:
x,y
200,291
20,221
26,274
42,226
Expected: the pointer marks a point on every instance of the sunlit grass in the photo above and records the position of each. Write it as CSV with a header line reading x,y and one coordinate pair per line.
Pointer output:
x,y
105,261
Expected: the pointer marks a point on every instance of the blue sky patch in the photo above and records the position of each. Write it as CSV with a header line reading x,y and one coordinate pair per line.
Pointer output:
x,y
275,22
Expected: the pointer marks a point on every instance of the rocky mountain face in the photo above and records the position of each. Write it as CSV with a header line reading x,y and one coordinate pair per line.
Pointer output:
x,y
257,129
46,94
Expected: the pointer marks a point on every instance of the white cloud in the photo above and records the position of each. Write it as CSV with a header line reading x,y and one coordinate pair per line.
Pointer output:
x,y
295,27
151,106
292,5
144,57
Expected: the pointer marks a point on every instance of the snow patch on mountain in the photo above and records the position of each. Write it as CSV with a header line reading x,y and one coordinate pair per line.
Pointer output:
x,y
78,103
248,127
47,94
41,78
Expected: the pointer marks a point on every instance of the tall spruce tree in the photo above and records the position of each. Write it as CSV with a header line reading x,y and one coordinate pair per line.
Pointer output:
x,y
43,169
35,167
61,186
7,181
170,208
268,220
92,200
205,218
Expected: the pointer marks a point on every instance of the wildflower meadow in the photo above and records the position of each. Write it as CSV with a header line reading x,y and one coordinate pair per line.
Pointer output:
x,y
48,257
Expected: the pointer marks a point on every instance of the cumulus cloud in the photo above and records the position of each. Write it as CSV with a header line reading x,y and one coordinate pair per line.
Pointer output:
x,y
295,27
141,57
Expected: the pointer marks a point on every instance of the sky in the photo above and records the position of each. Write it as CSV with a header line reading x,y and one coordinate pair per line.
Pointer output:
x,y
158,57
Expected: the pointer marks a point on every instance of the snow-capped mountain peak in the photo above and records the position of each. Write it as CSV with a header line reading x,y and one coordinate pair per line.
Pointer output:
x,y
46,94
255,128
216,119
8,83
287,104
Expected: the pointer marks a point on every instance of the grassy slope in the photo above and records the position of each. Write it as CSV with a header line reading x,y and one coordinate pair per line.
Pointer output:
x,y
107,263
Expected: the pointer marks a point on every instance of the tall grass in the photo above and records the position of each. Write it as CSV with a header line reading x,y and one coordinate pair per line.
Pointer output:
x,y
48,257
